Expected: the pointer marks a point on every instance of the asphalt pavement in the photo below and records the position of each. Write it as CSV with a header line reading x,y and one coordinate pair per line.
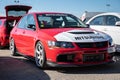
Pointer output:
x,y
20,68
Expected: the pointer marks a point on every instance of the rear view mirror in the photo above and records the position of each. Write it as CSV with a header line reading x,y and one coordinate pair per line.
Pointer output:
x,y
117,23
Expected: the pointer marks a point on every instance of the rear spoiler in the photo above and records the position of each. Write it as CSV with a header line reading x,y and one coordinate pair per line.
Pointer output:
x,y
18,7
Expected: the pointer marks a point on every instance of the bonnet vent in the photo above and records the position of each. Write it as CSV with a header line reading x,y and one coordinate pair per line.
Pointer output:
x,y
81,32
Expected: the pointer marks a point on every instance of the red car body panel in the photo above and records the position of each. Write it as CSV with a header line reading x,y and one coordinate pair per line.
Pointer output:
x,y
4,37
26,40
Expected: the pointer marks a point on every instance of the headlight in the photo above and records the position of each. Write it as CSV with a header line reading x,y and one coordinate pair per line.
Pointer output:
x,y
60,44
111,43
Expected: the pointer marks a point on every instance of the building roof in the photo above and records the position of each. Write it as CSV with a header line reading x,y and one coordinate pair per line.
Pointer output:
x,y
87,15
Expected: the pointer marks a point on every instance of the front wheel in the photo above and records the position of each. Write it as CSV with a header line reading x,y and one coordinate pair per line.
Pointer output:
x,y
40,57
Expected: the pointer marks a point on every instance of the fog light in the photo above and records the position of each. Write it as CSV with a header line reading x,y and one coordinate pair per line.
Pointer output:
x,y
65,58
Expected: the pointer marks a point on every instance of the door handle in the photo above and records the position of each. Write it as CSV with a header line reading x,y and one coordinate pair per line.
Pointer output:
x,y
23,32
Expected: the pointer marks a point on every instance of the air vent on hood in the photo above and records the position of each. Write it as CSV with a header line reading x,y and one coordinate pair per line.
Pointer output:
x,y
81,32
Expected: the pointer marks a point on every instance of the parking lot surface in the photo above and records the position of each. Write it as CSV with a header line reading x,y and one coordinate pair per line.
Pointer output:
x,y
20,68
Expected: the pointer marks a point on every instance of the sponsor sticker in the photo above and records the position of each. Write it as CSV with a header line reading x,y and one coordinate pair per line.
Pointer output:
x,y
89,37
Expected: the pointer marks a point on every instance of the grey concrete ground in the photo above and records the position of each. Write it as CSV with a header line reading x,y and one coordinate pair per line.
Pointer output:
x,y
20,68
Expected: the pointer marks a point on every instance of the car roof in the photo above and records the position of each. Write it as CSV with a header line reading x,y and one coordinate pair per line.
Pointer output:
x,y
47,13
110,13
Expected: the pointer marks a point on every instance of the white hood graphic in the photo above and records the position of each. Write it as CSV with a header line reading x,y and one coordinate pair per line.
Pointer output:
x,y
82,36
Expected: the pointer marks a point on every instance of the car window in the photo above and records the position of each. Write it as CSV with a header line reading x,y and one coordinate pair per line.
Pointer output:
x,y
23,22
30,21
4,23
59,21
44,21
98,21
15,13
111,20
0,22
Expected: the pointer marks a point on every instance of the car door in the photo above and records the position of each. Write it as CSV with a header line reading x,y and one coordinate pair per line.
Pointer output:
x,y
112,29
98,23
18,34
29,36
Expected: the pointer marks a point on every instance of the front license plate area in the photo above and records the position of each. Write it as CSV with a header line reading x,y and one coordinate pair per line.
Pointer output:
x,y
93,57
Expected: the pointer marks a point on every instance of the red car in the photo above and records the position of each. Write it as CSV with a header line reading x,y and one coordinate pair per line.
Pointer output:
x,y
4,37
60,39
13,14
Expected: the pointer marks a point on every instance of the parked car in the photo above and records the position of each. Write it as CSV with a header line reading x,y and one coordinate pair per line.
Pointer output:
x,y
60,39
13,14
108,23
4,37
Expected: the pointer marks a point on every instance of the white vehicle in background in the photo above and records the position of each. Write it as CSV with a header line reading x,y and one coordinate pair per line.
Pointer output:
x,y
108,23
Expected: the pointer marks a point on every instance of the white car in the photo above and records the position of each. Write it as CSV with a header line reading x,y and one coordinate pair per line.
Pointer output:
x,y
108,23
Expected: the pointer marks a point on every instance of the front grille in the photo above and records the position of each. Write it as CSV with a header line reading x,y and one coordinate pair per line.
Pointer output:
x,y
93,57
93,45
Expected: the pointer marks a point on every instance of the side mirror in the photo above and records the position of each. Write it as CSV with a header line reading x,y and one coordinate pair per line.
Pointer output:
x,y
88,26
117,23
31,26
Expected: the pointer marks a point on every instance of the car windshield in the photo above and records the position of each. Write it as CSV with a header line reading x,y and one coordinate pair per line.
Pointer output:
x,y
16,13
59,21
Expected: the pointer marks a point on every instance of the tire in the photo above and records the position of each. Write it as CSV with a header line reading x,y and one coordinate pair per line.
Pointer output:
x,y
13,48
1,47
40,57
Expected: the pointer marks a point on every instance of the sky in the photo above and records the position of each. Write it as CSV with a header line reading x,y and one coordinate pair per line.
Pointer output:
x,y
75,7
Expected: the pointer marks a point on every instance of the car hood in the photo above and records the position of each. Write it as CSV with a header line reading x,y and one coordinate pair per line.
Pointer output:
x,y
77,35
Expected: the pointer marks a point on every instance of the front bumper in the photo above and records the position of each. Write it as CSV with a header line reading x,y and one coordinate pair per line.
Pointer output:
x,y
52,64
83,57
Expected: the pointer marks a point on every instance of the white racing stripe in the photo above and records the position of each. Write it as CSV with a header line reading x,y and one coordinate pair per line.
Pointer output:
x,y
81,36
